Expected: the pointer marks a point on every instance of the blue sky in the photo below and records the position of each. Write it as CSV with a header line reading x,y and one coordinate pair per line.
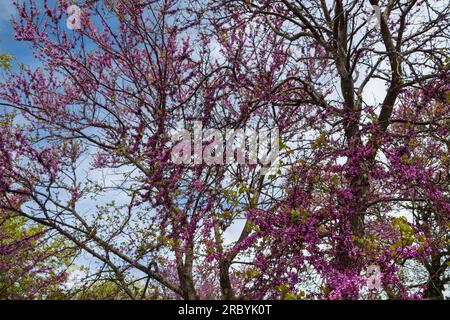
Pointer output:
x,y
19,49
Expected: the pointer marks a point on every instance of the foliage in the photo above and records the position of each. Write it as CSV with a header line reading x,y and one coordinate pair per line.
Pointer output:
x,y
358,181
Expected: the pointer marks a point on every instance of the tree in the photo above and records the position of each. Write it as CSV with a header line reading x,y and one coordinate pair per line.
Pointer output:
x,y
33,261
100,113
343,181
30,266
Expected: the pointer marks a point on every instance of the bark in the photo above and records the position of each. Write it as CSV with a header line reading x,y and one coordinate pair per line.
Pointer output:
x,y
225,284
186,276
435,283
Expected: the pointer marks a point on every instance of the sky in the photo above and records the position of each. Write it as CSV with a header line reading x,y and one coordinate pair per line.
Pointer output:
x,y
19,50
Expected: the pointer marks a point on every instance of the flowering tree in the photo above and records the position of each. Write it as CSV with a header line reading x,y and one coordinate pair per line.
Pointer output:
x,y
356,182
341,191
33,261
31,266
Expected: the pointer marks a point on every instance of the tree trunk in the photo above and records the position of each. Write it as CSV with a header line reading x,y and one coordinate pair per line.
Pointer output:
x,y
225,284
186,278
435,285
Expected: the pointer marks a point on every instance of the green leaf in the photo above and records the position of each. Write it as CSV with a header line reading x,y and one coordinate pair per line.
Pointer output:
x,y
5,61
294,215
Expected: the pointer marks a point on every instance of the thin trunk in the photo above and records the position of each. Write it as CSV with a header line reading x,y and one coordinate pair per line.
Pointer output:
x,y
435,285
225,283
186,278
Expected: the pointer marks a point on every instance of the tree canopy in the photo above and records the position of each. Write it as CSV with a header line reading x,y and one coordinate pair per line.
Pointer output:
x,y
359,181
